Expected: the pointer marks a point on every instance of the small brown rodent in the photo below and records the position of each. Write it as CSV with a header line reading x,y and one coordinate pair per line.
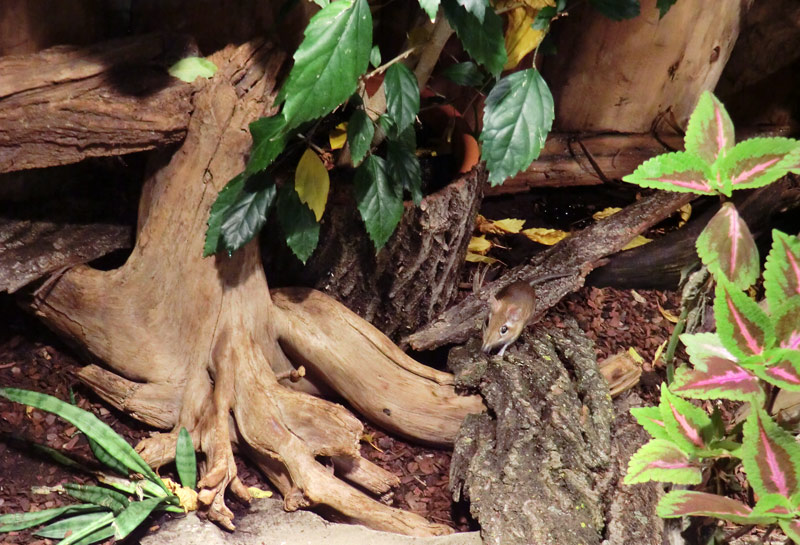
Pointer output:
x,y
509,312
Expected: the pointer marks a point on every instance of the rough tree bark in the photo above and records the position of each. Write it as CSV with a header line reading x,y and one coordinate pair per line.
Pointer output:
x,y
193,342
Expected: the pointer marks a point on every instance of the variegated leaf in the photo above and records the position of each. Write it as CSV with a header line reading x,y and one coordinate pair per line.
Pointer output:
x,y
710,129
787,324
686,424
782,271
662,460
682,503
722,379
727,248
679,171
770,456
791,528
702,346
650,419
743,327
774,505
756,162
784,369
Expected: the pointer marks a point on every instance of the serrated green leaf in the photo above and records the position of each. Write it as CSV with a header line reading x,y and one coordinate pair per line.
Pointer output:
x,y
683,503
360,131
269,140
722,379
464,73
298,223
482,40
727,248
403,167
11,522
791,528
130,519
782,271
379,202
688,426
191,68
248,213
783,369
475,7
430,7
89,424
663,7
517,117
756,162
743,327
786,319
225,199
617,10
770,456
679,171
662,460
185,459
702,346
650,419
709,134
402,95
327,65
375,56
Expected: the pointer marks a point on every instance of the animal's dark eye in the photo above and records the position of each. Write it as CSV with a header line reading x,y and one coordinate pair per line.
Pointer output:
x,y
503,330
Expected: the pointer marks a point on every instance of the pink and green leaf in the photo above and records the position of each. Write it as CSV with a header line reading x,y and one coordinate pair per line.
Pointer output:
x,y
784,372
682,503
702,346
770,456
663,461
650,419
679,171
786,319
709,133
727,248
756,162
774,505
743,327
688,426
722,379
791,528
782,271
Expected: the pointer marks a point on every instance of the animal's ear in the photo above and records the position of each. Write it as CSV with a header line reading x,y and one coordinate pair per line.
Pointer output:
x,y
494,304
514,312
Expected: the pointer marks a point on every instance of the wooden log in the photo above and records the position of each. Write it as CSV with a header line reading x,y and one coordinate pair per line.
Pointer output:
x,y
66,103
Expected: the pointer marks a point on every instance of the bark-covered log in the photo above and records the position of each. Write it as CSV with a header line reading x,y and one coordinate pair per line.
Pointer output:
x,y
415,276
542,466
579,254
66,103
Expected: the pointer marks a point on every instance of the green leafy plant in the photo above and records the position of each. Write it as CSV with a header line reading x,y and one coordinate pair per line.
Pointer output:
x,y
330,70
755,350
108,511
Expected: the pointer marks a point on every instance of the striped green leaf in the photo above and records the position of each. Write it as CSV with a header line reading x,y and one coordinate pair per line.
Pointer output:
x,y
98,495
59,529
87,533
130,519
185,459
20,521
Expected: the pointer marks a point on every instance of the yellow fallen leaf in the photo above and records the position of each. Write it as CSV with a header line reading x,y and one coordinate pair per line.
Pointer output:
x,y
520,37
605,212
668,315
479,245
638,298
338,136
187,496
478,258
545,236
482,225
638,241
659,350
509,225
312,183
686,213
370,440
635,355
258,493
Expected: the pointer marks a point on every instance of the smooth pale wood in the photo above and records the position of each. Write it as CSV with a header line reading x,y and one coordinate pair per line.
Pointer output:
x,y
196,337
620,76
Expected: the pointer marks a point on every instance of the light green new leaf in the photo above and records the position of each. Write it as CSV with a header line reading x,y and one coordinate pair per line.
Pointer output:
x,y
404,169
185,459
430,7
379,201
402,95
191,68
517,117
360,131
298,223
89,424
375,56
329,61
482,40
245,217
12,522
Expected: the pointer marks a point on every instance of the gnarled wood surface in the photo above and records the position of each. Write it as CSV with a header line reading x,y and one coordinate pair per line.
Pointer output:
x,y
192,342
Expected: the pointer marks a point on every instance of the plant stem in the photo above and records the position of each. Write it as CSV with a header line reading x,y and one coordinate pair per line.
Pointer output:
x,y
669,355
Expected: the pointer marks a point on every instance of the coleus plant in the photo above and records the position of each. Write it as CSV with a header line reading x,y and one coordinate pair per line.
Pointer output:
x,y
755,349
330,67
